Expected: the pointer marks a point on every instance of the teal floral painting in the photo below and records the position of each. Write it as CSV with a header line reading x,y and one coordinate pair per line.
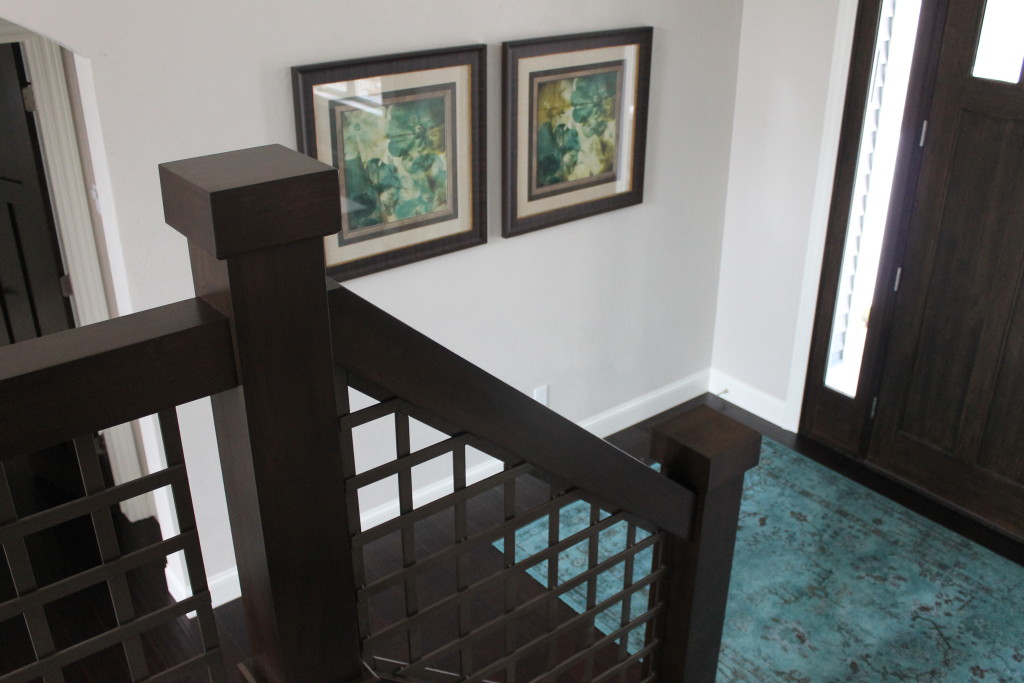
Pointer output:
x,y
576,128
408,136
397,169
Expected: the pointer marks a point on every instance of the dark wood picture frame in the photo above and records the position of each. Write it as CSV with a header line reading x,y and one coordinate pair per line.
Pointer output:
x,y
574,125
408,135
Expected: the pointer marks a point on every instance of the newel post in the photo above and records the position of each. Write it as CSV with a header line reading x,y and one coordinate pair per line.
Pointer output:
x,y
255,220
708,453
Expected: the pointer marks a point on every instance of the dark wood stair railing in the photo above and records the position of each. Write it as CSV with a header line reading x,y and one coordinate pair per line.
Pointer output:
x,y
64,387
704,454
278,352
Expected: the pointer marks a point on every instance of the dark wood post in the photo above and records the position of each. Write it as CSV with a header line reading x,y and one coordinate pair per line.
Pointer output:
x,y
708,453
255,221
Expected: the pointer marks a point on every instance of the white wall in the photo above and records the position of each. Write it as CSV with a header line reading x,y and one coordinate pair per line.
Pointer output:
x,y
606,311
794,56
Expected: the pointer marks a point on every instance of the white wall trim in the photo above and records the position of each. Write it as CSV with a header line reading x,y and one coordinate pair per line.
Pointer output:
x,y
224,586
64,178
12,33
745,396
124,467
178,590
648,405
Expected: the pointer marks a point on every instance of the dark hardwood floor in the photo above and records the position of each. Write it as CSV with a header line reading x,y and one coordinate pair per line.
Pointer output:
x,y
71,547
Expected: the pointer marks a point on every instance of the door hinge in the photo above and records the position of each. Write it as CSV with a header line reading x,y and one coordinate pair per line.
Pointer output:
x,y
874,406
28,98
896,282
924,133
65,286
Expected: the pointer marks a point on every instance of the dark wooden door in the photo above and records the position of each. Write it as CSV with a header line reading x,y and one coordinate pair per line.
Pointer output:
x,y
33,303
950,413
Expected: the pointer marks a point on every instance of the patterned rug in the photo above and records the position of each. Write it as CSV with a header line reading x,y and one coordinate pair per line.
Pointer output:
x,y
832,582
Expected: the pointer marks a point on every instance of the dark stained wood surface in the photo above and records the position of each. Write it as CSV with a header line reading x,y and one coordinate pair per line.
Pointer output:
x,y
250,199
166,645
949,403
93,571
394,356
277,431
276,423
110,373
712,453
830,417
31,299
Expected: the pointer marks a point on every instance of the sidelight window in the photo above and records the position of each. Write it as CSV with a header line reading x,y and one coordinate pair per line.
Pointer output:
x,y
880,136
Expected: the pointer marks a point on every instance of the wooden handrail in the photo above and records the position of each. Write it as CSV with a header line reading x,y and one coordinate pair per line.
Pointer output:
x,y
389,353
109,373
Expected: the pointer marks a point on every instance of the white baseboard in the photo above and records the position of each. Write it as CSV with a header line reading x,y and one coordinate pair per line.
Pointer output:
x,y
224,586
751,399
648,405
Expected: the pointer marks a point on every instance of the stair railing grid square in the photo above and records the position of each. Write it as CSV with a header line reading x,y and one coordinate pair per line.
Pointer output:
x,y
500,600
31,599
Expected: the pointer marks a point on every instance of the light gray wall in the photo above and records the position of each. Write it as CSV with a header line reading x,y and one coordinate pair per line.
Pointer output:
x,y
610,310
794,56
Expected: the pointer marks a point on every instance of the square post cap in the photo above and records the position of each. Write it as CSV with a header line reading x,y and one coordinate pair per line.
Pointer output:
x,y
250,199
705,448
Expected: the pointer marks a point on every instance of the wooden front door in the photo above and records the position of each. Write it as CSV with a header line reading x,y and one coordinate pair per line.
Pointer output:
x,y
950,411
32,302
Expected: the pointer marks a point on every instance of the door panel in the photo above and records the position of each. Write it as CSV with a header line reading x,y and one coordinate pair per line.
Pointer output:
x,y
32,301
17,305
980,246
1002,446
949,405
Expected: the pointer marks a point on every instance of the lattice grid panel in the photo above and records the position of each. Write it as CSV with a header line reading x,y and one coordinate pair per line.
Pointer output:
x,y
71,601
493,570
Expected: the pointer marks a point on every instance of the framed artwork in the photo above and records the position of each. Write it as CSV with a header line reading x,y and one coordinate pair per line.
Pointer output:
x,y
575,126
407,134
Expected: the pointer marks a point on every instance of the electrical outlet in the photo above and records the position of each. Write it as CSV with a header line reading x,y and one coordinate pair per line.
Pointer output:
x,y
540,394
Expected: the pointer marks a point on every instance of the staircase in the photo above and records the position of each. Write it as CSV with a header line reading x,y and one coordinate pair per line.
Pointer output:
x,y
626,571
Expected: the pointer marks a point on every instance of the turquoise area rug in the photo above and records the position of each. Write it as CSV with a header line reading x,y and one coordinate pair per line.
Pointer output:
x,y
832,582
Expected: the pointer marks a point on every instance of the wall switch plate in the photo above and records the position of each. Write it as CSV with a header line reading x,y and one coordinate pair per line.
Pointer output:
x,y
540,394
